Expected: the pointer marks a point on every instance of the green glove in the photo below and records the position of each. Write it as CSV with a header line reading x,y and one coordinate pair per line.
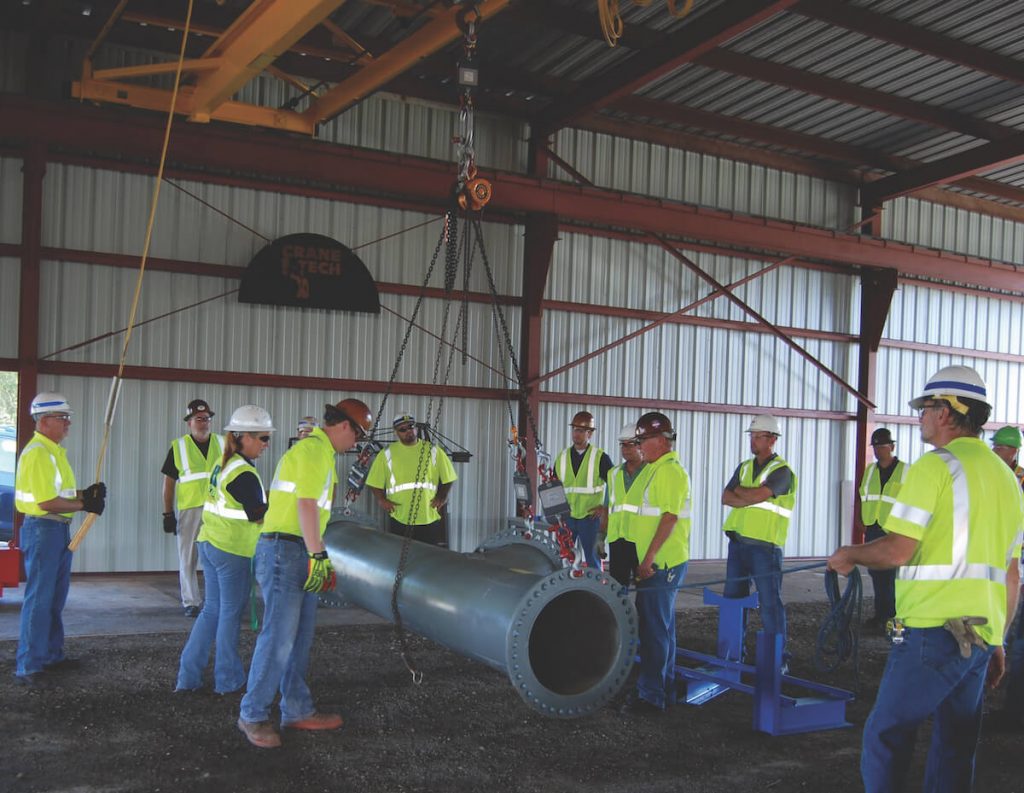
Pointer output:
x,y
321,577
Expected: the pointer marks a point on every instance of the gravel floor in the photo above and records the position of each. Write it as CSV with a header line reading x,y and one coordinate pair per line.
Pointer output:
x,y
115,725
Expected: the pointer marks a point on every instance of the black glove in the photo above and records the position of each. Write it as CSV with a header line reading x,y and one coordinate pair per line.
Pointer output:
x,y
170,523
94,498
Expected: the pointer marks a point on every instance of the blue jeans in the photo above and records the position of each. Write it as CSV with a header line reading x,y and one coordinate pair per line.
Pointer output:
x,y
282,649
585,530
44,545
656,609
228,580
764,565
926,676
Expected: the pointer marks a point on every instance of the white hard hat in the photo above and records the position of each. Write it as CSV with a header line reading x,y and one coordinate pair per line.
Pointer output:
x,y
49,402
250,418
765,424
627,433
953,381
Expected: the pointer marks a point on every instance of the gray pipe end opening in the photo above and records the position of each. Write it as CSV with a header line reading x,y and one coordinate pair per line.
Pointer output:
x,y
572,643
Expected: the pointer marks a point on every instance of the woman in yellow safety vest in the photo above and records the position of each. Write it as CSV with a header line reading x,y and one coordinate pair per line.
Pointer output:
x,y
234,509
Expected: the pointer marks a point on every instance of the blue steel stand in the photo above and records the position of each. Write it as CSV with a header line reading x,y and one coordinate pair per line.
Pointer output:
x,y
774,712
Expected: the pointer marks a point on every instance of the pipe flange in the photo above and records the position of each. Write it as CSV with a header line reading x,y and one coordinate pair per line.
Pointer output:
x,y
518,534
572,643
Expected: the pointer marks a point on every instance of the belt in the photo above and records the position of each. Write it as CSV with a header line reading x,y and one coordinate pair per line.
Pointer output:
x,y
281,535
54,518
734,535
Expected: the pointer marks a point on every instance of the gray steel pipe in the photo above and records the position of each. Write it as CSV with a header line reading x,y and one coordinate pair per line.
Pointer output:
x,y
567,644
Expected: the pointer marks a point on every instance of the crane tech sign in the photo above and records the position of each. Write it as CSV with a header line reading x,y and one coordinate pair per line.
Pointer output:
x,y
309,271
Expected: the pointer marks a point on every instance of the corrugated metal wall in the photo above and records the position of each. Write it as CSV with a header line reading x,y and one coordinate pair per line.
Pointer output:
x,y
98,210
655,170
10,279
949,228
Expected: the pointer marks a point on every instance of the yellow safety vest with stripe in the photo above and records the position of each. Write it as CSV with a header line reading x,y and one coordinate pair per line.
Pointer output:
x,y
876,501
305,471
43,474
225,524
767,521
394,471
963,506
584,489
194,469
617,508
661,487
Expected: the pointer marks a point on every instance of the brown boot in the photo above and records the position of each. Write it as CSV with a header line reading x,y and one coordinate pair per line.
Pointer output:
x,y
260,733
316,721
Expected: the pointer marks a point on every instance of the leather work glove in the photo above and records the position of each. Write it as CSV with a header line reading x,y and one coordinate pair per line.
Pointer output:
x,y
962,629
94,498
321,576
601,546
170,523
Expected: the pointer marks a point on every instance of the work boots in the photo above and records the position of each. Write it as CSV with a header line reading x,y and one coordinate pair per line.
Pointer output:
x,y
260,733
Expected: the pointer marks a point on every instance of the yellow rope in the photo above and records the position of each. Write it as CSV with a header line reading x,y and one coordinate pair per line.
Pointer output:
x,y
91,518
611,19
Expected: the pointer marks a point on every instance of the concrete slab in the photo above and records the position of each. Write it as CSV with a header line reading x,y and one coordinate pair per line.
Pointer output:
x,y
126,604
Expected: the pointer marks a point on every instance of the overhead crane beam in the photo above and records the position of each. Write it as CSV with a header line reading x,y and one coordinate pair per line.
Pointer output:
x,y
261,33
436,34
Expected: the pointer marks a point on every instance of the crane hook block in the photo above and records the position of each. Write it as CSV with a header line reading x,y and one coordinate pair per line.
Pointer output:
x,y
475,194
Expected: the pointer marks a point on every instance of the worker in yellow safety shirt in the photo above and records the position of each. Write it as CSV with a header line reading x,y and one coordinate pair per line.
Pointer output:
x,y
878,490
45,493
1006,444
292,566
954,534
411,480
583,469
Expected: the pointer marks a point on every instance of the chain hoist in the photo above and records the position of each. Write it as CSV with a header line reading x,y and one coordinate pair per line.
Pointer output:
x,y
472,191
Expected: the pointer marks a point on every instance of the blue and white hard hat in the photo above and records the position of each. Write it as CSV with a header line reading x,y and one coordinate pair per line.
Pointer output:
x,y
950,383
49,402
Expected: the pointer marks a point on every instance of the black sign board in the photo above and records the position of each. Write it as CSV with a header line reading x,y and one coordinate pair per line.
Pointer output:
x,y
309,271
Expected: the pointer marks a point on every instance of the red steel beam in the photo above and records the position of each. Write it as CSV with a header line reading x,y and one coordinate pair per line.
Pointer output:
x,y
841,91
886,28
694,39
429,181
986,157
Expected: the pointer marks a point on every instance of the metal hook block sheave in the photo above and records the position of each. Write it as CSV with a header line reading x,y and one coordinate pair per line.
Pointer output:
x,y
567,644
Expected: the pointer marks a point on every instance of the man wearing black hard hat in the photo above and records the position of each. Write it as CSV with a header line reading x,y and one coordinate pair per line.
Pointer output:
x,y
186,471
878,489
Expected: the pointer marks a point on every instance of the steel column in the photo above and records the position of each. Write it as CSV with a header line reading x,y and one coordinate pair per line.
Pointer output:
x,y
541,234
33,170
877,288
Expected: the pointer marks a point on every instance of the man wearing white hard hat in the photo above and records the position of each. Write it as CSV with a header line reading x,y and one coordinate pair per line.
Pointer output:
x,y
954,534
762,493
45,493
186,471
411,480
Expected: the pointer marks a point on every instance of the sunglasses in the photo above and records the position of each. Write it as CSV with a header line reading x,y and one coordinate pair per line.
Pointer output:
x,y
405,428
265,438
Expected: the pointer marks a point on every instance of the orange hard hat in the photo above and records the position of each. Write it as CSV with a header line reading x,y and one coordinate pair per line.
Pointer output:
x,y
356,410
584,420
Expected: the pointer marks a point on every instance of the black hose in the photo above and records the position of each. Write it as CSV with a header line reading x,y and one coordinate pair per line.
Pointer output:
x,y
839,634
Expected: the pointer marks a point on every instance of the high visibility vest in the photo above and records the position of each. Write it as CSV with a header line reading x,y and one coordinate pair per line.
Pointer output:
x,y
43,474
963,506
661,487
305,471
194,469
617,508
395,472
876,501
584,489
225,524
767,521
